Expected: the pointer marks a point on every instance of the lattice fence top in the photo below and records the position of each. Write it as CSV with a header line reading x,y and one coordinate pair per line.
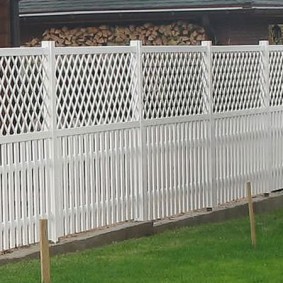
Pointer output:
x,y
237,83
23,96
276,78
98,86
95,89
173,84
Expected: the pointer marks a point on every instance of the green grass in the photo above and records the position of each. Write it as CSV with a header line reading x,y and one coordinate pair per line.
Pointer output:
x,y
208,253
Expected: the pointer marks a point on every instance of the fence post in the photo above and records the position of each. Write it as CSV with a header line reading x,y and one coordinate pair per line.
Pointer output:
x,y
266,101
44,251
211,127
55,201
141,196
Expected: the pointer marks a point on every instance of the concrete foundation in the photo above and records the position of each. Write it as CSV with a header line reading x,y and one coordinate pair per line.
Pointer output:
x,y
130,230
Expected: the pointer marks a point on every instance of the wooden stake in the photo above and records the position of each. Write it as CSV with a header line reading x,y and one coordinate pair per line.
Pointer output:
x,y
251,214
44,252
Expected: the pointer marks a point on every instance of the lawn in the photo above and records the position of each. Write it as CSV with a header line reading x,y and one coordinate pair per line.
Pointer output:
x,y
208,253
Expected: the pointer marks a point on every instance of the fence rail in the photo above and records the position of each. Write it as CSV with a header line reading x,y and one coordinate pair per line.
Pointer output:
x,y
95,136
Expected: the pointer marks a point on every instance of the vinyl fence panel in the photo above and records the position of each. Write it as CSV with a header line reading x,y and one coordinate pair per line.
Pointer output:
x,y
96,136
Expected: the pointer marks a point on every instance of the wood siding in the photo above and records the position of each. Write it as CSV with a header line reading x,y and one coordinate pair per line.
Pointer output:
x,y
5,39
241,30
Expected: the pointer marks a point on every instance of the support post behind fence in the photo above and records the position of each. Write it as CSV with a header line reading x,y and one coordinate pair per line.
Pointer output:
x,y
44,252
251,214
208,98
55,200
141,197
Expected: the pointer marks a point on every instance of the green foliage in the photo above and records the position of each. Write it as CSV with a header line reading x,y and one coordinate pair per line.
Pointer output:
x,y
209,253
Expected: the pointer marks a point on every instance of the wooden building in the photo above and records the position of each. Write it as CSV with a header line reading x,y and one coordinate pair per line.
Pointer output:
x,y
225,21
9,23
5,39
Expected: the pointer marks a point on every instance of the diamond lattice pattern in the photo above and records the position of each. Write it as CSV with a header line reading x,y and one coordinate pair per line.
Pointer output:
x,y
276,78
237,83
173,84
23,105
95,89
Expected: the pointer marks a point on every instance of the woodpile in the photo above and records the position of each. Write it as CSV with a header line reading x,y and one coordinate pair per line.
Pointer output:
x,y
179,33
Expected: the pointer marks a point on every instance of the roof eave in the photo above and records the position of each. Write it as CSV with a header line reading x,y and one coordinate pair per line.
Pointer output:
x,y
126,11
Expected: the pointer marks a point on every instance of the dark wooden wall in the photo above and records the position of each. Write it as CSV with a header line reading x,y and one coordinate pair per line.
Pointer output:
x,y
241,30
226,28
5,39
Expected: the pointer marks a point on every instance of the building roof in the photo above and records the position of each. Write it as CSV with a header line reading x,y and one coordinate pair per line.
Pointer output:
x,y
59,7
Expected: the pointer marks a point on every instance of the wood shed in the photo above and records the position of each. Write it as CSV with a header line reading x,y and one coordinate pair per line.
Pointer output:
x,y
9,23
225,22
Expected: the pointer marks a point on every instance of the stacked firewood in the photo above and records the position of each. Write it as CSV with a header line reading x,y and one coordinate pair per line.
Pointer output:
x,y
179,33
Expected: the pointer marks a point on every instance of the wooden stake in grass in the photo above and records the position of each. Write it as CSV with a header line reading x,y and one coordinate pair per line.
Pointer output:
x,y
44,252
251,214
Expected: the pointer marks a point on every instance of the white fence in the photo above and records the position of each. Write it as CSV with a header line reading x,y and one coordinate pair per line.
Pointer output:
x,y
102,135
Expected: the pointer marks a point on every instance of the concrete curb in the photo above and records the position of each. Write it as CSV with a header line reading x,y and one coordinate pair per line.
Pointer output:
x,y
84,241
130,230
221,214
